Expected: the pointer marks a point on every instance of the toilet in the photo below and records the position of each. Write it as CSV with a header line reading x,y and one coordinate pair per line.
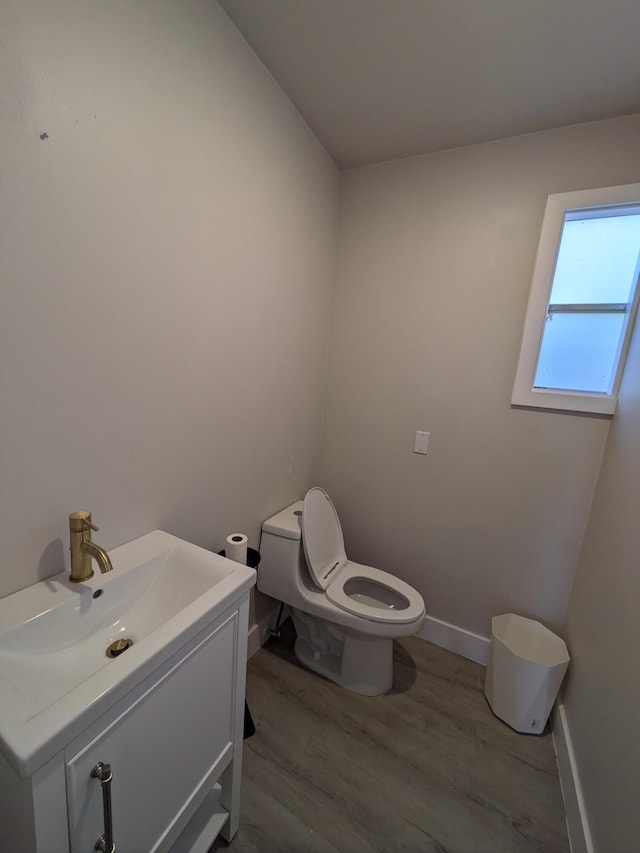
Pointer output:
x,y
346,615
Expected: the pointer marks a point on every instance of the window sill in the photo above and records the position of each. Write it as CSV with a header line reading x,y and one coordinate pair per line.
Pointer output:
x,y
565,401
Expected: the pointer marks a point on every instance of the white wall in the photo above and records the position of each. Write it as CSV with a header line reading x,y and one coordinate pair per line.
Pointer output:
x,y
167,264
602,694
435,261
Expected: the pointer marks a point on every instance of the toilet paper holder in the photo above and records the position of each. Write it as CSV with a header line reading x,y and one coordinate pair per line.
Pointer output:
x,y
253,557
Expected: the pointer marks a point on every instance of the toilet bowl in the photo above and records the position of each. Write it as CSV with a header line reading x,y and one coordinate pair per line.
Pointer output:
x,y
346,615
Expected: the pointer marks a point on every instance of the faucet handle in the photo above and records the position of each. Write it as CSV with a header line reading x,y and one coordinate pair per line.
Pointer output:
x,y
80,521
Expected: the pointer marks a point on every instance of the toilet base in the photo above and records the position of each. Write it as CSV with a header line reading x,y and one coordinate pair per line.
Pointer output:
x,y
359,662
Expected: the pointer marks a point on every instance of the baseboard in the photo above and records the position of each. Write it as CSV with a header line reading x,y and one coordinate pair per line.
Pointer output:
x,y
458,640
259,634
577,822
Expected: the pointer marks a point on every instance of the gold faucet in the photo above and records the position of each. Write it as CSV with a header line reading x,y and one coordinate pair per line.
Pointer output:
x,y
83,549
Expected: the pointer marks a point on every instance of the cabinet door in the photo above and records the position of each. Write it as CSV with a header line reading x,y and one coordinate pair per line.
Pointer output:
x,y
164,749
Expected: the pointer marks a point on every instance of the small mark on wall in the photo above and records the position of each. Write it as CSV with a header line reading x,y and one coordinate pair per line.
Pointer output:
x,y
44,135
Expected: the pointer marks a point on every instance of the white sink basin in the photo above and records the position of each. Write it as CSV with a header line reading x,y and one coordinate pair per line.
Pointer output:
x,y
54,636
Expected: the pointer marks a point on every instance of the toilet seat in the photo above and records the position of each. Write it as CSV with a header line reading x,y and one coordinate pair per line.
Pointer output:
x,y
337,594
341,579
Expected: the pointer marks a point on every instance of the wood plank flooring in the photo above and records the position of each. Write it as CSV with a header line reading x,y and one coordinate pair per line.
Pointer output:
x,y
427,767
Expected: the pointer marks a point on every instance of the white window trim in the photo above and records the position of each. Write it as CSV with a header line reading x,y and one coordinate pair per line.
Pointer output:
x,y
524,394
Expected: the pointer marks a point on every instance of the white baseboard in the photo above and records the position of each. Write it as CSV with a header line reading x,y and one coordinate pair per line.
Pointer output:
x,y
472,646
458,640
577,822
258,634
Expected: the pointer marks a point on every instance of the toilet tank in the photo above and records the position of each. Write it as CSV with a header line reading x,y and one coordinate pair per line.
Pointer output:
x,y
281,552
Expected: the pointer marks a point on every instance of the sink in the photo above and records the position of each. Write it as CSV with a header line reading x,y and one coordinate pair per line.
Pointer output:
x,y
54,636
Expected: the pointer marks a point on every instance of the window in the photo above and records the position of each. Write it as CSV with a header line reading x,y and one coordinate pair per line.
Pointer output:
x,y
583,301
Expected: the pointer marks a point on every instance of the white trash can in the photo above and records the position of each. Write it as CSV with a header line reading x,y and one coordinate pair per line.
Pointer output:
x,y
525,671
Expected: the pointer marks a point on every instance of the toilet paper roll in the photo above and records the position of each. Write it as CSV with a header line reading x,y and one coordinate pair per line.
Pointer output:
x,y
236,548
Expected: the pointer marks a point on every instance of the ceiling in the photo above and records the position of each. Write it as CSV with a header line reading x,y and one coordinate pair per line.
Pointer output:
x,y
381,79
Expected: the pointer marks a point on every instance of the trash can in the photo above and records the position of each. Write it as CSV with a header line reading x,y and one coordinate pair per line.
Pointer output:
x,y
525,671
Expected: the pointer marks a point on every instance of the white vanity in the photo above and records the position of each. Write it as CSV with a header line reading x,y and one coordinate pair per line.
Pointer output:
x,y
161,723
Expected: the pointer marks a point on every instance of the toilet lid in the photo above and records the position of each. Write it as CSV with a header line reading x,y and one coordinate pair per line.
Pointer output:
x,y
322,537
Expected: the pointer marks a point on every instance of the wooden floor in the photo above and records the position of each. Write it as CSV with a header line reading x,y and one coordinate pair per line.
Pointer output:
x,y
427,767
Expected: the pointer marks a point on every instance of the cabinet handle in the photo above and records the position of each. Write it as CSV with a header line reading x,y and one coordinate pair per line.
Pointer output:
x,y
102,772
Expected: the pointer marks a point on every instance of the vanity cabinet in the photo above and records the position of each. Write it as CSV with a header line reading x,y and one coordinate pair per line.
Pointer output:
x,y
174,746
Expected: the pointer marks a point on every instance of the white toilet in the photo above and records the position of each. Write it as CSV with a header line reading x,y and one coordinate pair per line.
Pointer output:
x,y
346,615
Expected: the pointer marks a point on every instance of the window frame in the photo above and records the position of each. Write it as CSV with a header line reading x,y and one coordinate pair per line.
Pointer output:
x,y
524,392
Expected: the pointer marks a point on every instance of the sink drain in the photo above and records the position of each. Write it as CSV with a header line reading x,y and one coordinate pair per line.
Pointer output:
x,y
118,647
